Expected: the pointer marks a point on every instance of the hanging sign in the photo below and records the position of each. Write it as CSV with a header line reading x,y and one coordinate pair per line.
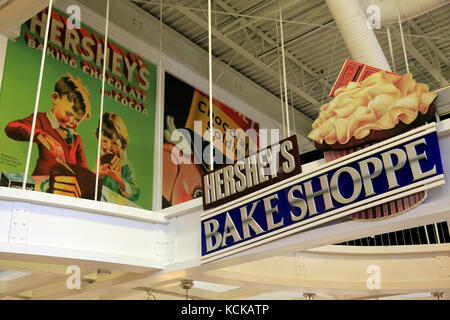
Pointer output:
x,y
389,170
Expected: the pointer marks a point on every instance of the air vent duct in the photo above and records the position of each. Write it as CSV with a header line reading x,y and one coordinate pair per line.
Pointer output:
x,y
409,9
359,39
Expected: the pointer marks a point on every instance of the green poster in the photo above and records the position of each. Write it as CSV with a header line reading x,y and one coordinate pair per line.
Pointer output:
x,y
65,148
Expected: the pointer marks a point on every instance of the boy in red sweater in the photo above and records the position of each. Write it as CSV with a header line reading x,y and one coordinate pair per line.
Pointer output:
x,y
55,130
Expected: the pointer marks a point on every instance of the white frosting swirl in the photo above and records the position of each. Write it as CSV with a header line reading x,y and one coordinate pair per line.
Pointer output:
x,y
379,102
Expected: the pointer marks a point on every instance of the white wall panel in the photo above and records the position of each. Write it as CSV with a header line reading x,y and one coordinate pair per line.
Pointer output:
x,y
5,220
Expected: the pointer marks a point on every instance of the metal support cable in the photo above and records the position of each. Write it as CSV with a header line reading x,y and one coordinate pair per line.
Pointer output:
x,y
284,73
38,94
403,38
391,50
293,111
102,100
283,118
160,108
211,123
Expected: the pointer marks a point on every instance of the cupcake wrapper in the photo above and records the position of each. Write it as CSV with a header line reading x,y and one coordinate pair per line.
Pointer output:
x,y
391,208
385,210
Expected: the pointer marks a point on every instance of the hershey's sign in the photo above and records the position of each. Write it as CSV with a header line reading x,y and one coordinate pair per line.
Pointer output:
x,y
268,166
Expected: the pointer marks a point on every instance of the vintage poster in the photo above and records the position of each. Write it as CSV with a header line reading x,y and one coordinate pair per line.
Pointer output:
x,y
67,133
186,115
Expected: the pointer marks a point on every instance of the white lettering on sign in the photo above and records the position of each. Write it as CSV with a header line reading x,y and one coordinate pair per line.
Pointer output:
x,y
249,172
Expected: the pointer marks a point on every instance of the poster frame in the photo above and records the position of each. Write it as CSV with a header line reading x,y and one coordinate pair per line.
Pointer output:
x,y
124,38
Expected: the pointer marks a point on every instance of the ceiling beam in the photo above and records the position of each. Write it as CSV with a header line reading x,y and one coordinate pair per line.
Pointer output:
x,y
227,25
27,283
274,44
237,48
311,14
241,293
430,43
266,11
421,59
193,57
93,290
33,267
437,25
37,283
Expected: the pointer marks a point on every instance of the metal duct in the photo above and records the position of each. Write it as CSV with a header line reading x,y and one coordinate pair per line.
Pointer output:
x,y
359,39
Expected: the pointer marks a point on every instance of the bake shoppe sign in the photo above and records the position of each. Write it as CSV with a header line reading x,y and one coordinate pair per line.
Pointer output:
x,y
383,174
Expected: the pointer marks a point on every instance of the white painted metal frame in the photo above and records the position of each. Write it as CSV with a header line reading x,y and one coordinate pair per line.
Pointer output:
x,y
104,208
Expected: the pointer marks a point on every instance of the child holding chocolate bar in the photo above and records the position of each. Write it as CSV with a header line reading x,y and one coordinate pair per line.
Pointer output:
x,y
55,130
116,171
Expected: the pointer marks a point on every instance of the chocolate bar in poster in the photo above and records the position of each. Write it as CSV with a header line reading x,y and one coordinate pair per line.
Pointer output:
x,y
78,182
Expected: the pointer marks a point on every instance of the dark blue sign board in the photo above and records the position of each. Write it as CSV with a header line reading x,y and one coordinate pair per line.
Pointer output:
x,y
370,178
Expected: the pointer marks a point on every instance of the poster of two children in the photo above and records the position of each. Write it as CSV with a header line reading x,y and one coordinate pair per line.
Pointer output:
x,y
67,133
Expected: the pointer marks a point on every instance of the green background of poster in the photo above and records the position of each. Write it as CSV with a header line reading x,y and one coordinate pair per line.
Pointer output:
x,y
17,100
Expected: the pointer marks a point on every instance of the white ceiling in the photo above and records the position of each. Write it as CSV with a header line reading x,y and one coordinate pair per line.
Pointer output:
x,y
314,48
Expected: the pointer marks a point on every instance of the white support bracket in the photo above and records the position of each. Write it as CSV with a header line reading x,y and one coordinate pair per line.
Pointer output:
x,y
301,267
443,262
162,247
20,213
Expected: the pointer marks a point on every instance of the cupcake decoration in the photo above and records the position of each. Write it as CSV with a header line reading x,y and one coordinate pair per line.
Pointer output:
x,y
363,113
